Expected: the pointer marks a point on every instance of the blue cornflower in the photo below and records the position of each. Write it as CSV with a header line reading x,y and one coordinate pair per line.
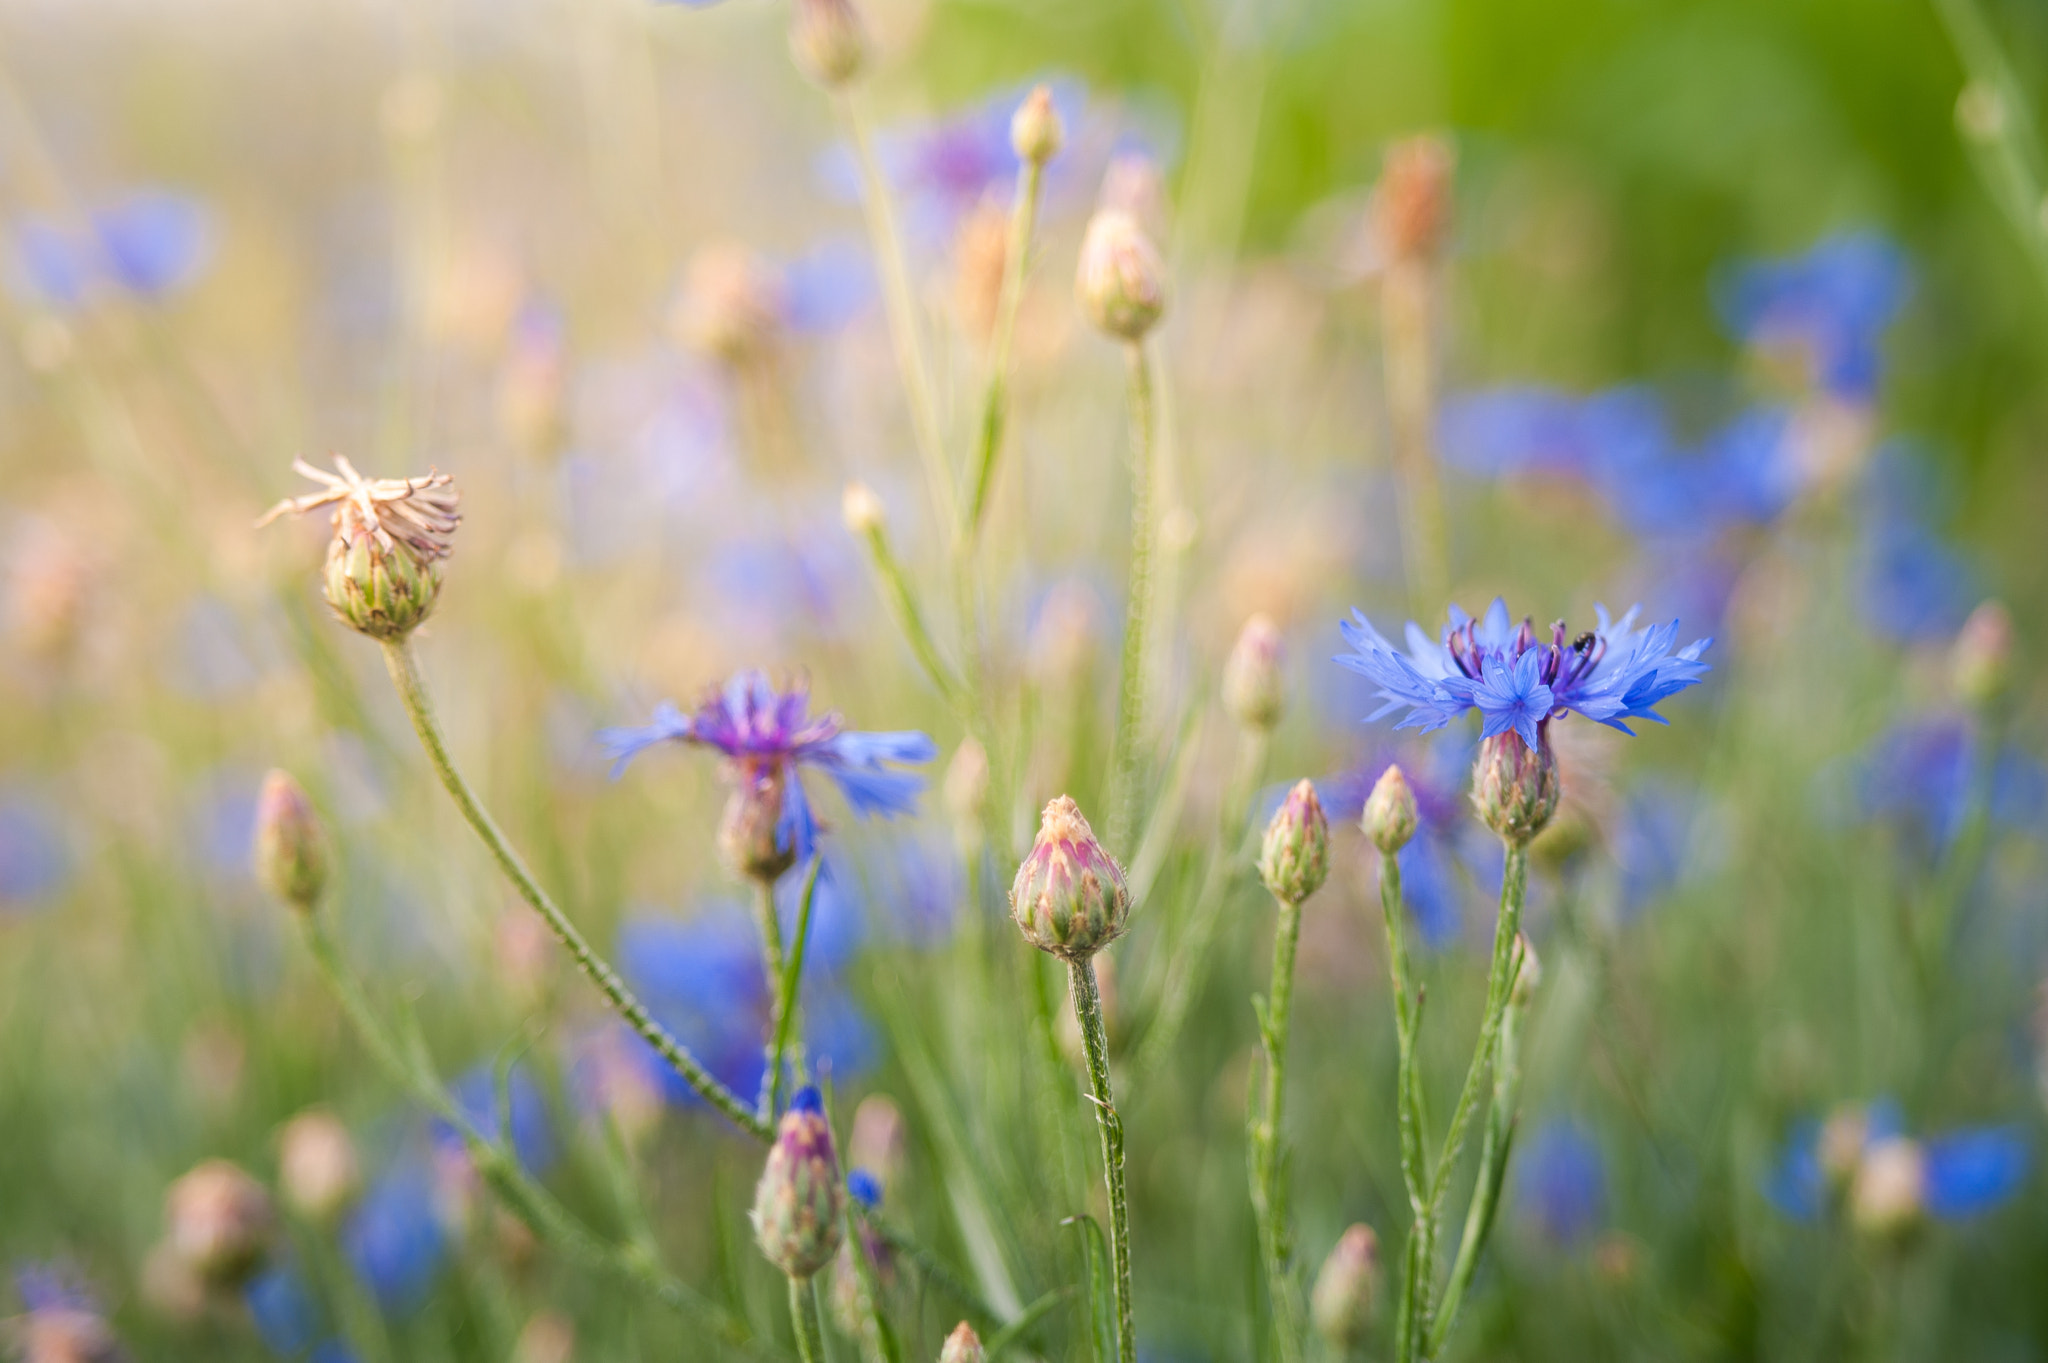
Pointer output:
x,y
284,1309
865,1188
1952,1176
1833,304
1612,674
1650,842
768,735
1921,772
477,1095
148,243
1561,1181
395,1240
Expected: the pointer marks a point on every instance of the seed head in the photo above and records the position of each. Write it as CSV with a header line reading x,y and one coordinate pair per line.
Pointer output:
x,y
1347,1289
1390,815
1515,786
292,853
799,1203
1295,857
1036,133
1252,683
1069,897
1122,281
390,535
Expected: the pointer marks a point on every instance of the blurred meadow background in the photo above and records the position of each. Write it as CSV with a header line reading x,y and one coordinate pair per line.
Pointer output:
x,y
1740,312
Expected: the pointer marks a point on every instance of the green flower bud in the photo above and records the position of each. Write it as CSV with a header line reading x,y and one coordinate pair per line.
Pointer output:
x,y
1252,685
292,855
1069,897
800,1202
1122,281
1981,661
220,1223
1514,786
827,40
1036,133
1294,861
962,1346
1347,1290
1389,818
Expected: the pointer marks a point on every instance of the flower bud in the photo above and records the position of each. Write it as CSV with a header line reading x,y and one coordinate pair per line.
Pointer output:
x,y
1981,661
1889,1196
1389,818
1413,204
962,1346
750,835
876,1142
1528,973
292,856
220,1222
1251,677
1069,896
1347,1289
1515,786
1295,858
799,1203
827,40
1122,281
317,1169
861,509
1036,133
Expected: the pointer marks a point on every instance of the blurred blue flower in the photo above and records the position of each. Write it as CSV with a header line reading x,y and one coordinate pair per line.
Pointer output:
x,y
1920,773
1650,842
770,735
807,578
223,820
1612,674
34,862
917,879
1914,586
827,286
1561,1181
53,1287
864,1188
1973,1170
331,1351
218,653
148,243
479,1099
394,1240
1833,304
284,1309
1966,1172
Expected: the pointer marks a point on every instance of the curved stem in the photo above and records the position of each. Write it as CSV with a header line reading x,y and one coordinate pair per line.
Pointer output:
x,y
995,405
1130,720
419,707
786,983
1088,1012
803,1313
1268,1155
1407,1107
1493,1168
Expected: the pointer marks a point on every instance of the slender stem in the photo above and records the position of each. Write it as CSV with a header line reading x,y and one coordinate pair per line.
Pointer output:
x,y
1493,1168
1130,721
2000,131
1268,1154
901,599
995,405
1408,1112
901,308
1088,1011
770,925
803,1313
412,693
1406,298
786,984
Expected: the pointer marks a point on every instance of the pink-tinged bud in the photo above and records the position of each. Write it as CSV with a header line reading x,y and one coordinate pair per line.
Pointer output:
x,y
317,1169
1413,205
1294,860
1514,786
220,1222
827,40
1528,973
1069,897
877,1139
1122,281
1389,818
962,1346
1981,661
1347,1290
800,1203
1252,685
292,856
750,837
1888,1199
1036,133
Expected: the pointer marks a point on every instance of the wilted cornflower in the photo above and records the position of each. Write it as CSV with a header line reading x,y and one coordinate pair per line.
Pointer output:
x,y
1561,1181
1863,1155
1831,305
767,737
147,244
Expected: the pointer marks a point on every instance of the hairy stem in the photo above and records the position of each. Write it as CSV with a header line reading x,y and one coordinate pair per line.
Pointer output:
x,y
1268,1153
1408,1112
901,599
803,1313
403,665
1130,720
785,983
1088,1012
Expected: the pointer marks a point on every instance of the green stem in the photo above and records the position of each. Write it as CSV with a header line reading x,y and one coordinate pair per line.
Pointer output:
x,y
1088,1011
803,1313
403,665
1130,722
2004,146
769,924
995,405
1407,1107
1268,1153
787,982
898,302
901,599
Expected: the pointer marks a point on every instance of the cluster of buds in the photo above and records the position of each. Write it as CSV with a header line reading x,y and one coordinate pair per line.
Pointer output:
x,y
1390,813
292,854
1069,897
1294,860
1121,283
1514,786
220,1224
1347,1290
390,537
827,41
1252,684
800,1203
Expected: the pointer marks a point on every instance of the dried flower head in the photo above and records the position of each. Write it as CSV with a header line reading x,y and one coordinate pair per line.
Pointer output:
x,y
390,536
